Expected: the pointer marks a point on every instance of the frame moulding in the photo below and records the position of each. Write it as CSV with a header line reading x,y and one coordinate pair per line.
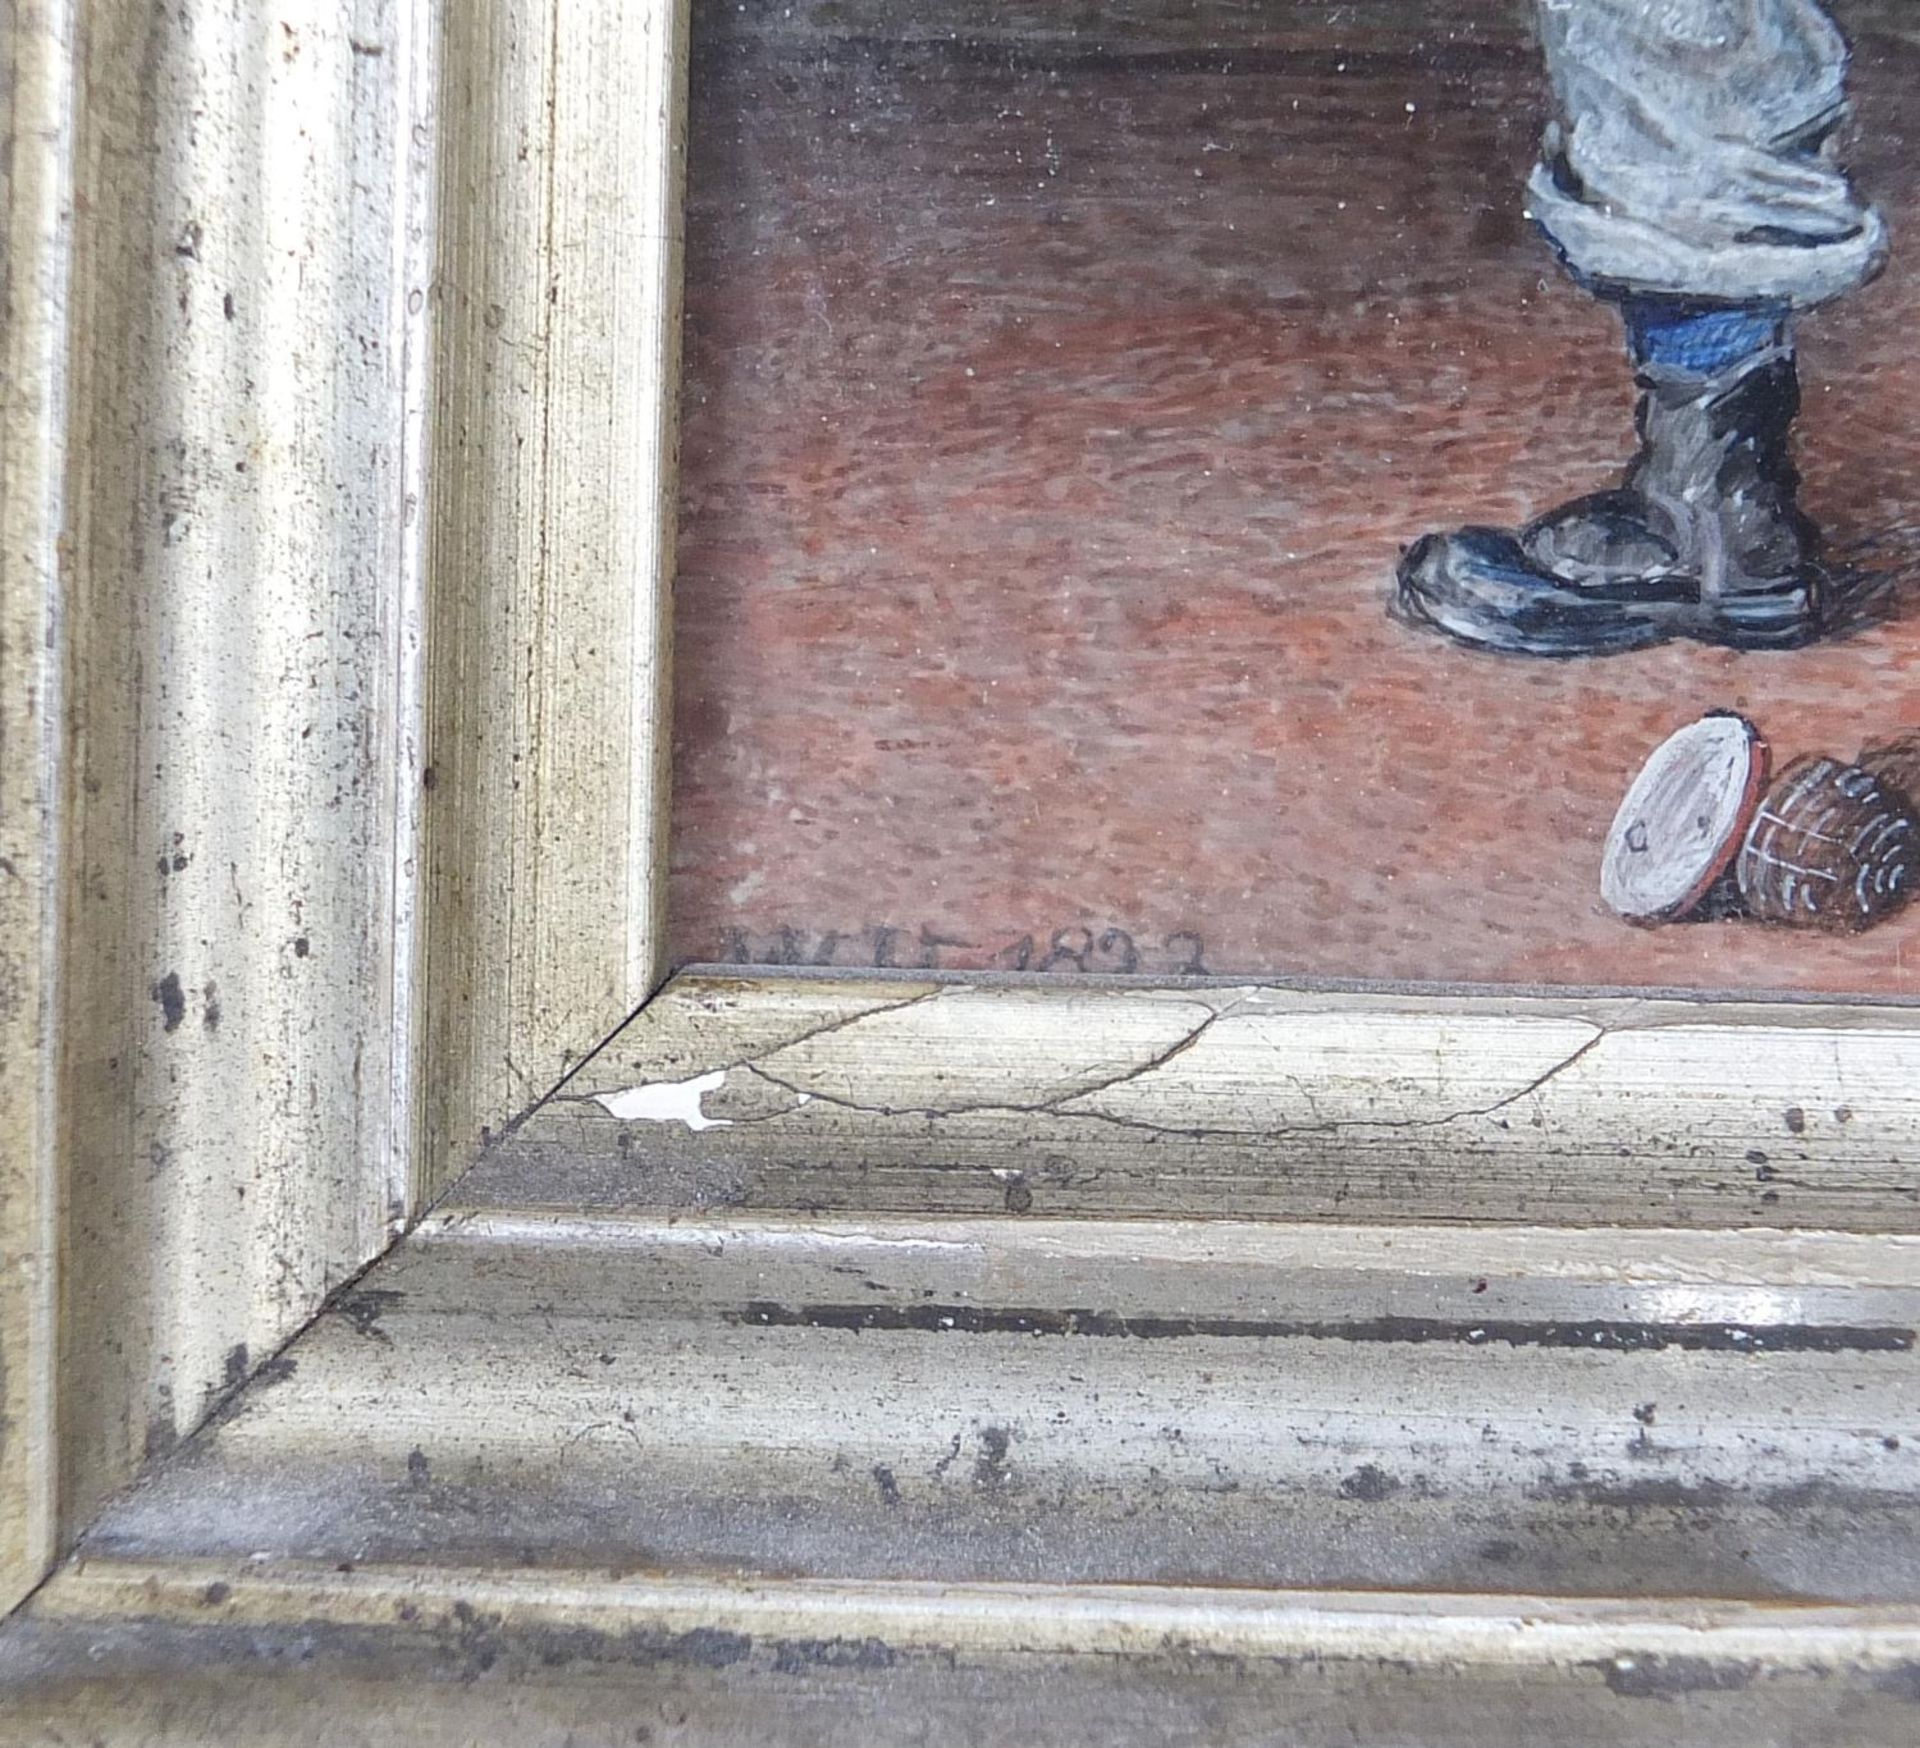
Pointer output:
x,y
337,500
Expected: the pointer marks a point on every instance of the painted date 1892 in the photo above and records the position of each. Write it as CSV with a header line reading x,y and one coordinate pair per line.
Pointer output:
x,y
1076,949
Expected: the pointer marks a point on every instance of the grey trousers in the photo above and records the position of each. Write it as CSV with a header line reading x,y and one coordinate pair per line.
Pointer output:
x,y
1693,151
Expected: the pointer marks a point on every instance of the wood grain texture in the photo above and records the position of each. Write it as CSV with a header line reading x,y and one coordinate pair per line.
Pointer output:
x,y
1050,1097
233,1080
550,545
36,228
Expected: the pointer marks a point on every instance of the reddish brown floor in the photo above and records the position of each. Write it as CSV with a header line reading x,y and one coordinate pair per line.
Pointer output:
x,y
1053,424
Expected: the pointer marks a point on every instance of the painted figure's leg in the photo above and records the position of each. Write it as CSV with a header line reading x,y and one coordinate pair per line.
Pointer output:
x,y
1692,152
1688,176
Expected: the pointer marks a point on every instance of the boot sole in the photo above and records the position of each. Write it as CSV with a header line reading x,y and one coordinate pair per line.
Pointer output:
x,y
1478,587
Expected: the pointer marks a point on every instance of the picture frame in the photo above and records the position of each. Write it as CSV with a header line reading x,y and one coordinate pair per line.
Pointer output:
x,y
338,497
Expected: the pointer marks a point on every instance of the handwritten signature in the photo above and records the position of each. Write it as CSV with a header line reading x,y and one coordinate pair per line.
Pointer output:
x,y
1070,951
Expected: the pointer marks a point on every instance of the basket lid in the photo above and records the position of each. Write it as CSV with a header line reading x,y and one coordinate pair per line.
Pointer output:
x,y
1683,819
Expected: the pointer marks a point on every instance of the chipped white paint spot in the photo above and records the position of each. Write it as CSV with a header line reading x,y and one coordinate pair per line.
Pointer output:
x,y
667,1101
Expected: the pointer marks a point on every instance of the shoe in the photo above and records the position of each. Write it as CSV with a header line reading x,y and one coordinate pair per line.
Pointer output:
x,y
1704,538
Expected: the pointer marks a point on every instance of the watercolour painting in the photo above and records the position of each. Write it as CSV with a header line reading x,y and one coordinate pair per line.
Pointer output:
x,y
1395,493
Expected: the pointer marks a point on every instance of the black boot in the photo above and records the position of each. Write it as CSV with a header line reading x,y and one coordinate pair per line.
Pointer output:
x,y
1703,539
